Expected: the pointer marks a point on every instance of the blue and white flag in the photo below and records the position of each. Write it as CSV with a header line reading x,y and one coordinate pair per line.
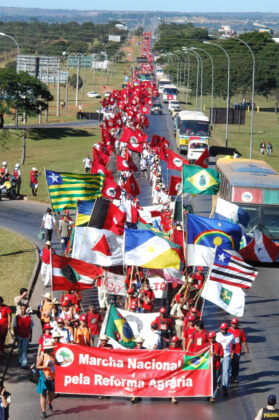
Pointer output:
x,y
231,212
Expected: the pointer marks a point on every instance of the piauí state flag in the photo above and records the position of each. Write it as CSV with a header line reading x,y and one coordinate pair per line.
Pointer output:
x,y
196,362
73,274
144,248
119,329
204,234
197,180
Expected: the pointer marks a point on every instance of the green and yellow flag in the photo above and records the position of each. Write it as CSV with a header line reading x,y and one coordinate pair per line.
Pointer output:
x,y
65,189
197,362
197,180
118,328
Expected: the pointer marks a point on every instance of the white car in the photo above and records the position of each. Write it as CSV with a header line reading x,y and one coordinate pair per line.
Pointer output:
x,y
173,105
93,95
107,94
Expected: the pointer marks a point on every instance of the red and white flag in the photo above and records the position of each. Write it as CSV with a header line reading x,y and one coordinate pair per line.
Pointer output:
x,y
261,249
203,159
131,186
175,161
175,185
111,190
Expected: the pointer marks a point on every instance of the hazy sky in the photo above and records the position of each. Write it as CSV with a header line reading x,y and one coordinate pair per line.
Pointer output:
x,y
167,5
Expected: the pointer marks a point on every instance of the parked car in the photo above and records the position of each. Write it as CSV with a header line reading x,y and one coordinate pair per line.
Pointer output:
x,y
244,105
93,95
156,109
174,105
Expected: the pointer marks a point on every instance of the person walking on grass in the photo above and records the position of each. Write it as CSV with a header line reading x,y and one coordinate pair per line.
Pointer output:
x,y
269,148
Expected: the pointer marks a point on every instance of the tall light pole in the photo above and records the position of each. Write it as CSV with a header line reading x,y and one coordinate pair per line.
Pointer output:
x,y
199,56
9,36
184,74
212,80
228,86
252,95
197,81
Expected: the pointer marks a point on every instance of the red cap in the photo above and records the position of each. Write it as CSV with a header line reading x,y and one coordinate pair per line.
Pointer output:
x,y
194,310
212,334
66,212
234,321
130,290
68,299
65,303
163,310
224,326
191,318
60,320
82,318
47,327
177,297
68,317
154,324
174,339
199,268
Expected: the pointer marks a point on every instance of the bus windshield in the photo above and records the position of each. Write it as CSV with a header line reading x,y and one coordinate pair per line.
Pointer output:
x,y
270,222
194,128
170,91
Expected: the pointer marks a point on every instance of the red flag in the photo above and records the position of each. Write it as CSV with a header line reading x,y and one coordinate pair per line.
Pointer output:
x,y
135,147
175,161
107,215
144,110
122,164
155,141
111,190
73,274
131,186
203,159
175,185
261,248
99,156
98,168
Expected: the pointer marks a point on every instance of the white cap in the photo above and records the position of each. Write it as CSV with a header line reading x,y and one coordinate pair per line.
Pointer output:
x,y
4,163
34,169
17,165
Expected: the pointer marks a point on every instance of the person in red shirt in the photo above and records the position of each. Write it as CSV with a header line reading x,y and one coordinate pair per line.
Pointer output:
x,y
189,330
132,301
34,180
240,338
164,324
5,323
23,325
147,297
199,338
45,336
94,319
198,278
217,353
174,343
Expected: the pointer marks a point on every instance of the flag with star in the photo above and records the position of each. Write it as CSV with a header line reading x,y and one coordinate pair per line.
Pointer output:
x,y
145,248
197,362
230,298
65,189
197,180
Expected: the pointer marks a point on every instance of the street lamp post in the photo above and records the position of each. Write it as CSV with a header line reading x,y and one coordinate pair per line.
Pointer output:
x,y
199,56
228,86
197,81
9,36
212,81
252,95
184,74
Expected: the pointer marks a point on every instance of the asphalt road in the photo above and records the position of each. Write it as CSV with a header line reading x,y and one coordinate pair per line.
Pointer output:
x,y
259,370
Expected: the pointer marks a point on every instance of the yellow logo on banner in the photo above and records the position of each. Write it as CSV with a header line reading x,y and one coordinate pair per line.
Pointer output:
x,y
202,180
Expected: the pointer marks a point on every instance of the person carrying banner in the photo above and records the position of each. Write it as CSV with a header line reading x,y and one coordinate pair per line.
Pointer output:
x,y
240,338
199,338
94,319
45,386
178,312
217,353
139,342
155,339
189,330
227,341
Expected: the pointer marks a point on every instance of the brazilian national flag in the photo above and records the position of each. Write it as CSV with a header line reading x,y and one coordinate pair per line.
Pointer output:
x,y
197,362
119,329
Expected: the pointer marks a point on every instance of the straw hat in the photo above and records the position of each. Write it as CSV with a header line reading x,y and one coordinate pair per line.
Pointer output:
x,y
56,334
47,295
139,340
49,344
104,338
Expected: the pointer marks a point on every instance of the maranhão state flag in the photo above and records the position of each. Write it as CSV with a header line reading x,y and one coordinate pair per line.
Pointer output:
x,y
175,161
175,185
203,159
73,274
131,186
111,190
106,215
98,246
260,248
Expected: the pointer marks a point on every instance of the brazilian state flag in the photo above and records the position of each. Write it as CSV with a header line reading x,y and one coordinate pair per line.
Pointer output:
x,y
197,180
197,362
119,329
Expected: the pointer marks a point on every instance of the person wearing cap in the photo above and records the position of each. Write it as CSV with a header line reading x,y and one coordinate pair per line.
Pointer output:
x,y
46,385
46,269
34,174
66,336
23,325
82,334
174,343
178,312
199,338
132,302
47,328
269,411
68,310
48,223
217,353
227,341
94,319
46,308
240,339
5,323
189,329
5,401
164,326
198,278
147,297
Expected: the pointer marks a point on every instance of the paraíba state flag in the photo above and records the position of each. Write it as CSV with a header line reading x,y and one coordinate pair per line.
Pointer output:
x,y
65,189
200,181
73,274
197,362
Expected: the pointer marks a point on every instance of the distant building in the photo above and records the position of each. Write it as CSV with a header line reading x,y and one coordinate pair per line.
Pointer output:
x,y
226,31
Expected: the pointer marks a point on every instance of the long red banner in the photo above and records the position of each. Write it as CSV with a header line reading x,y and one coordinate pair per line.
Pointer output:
x,y
139,373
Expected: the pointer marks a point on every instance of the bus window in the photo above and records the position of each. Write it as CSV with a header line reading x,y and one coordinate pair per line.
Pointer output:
x,y
187,127
170,91
254,217
270,222
201,128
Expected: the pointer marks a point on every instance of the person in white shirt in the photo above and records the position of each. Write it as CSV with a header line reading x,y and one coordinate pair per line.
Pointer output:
x,y
49,223
155,339
66,336
87,164
227,341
